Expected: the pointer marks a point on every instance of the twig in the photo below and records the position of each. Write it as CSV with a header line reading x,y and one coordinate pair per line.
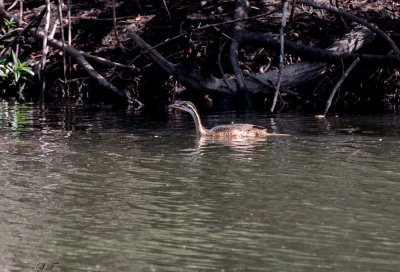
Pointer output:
x,y
114,12
21,13
60,17
160,60
345,74
282,54
69,6
103,19
237,20
13,5
108,62
156,46
166,8
10,34
53,29
202,28
42,64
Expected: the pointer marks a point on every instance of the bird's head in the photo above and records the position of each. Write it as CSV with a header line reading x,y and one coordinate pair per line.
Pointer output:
x,y
185,106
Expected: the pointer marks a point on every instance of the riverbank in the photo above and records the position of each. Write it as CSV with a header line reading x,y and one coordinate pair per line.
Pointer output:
x,y
196,35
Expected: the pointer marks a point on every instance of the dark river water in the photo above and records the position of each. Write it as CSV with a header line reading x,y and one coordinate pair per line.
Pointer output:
x,y
102,189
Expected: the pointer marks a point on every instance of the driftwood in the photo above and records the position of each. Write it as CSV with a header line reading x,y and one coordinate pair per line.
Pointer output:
x,y
292,75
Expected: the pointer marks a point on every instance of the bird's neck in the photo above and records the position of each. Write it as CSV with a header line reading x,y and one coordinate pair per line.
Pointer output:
x,y
200,129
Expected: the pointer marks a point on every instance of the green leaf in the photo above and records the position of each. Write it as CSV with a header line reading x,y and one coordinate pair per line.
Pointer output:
x,y
28,70
15,59
17,76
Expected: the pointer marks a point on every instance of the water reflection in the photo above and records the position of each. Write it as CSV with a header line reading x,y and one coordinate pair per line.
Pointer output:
x,y
109,190
240,147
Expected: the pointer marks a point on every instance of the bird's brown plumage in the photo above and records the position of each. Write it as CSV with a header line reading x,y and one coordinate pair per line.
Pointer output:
x,y
223,131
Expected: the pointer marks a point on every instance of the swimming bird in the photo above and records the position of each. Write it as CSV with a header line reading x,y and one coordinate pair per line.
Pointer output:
x,y
223,131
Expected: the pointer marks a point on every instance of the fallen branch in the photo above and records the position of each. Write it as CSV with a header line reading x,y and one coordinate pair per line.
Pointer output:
x,y
292,75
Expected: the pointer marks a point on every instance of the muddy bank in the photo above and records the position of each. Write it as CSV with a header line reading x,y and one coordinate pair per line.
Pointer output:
x,y
199,39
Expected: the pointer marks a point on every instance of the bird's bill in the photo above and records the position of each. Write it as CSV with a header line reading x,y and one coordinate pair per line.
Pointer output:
x,y
175,106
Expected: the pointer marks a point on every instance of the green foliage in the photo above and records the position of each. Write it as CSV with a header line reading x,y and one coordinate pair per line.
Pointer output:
x,y
14,69
9,25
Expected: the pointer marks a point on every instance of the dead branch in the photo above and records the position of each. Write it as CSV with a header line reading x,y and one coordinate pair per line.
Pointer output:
x,y
345,74
356,19
42,64
107,62
21,13
60,18
13,5
282,54
166,8
292,75
69,7
188,76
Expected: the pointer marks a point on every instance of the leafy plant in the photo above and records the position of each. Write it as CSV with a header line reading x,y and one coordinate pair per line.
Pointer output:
x,y
9,25
11,67
14,69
